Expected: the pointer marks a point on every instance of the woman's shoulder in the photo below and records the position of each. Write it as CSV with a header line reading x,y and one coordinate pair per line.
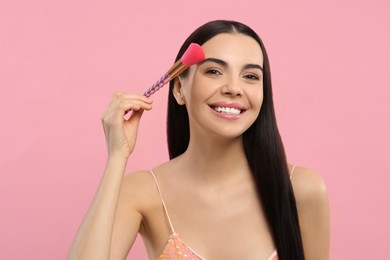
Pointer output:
x,y
140,186
144,177
140,179
136,188
309,186
313,212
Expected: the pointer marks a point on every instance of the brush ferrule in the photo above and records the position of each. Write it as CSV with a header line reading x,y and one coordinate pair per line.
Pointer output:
x,y
176,69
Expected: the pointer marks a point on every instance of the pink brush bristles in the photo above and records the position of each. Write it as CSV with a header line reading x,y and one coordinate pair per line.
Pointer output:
x,y
192,55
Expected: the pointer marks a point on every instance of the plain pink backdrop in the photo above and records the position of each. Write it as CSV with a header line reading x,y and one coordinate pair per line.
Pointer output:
x,y
60,62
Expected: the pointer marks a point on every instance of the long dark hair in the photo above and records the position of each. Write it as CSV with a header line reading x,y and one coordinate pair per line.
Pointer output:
x,y
263,148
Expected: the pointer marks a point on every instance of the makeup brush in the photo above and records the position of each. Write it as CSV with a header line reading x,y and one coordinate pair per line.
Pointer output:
x,y
191,56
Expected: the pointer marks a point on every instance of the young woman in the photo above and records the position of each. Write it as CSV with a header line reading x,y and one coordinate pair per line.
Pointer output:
x,y
227,192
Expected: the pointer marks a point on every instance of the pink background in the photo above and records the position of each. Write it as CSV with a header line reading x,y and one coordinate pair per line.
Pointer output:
x,y
60,62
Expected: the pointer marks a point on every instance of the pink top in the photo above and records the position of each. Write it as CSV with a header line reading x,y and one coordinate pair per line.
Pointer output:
x,y
176,248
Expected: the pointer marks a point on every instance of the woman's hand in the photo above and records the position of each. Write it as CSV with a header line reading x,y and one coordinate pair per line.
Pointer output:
x,y
121,133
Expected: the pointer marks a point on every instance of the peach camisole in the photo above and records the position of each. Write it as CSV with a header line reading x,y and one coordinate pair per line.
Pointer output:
x,y
175,248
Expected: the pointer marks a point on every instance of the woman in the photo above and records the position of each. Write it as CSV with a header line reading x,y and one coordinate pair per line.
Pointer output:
x,y
227,192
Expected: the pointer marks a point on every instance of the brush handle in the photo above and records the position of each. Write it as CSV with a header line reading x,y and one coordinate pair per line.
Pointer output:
x,y
156,86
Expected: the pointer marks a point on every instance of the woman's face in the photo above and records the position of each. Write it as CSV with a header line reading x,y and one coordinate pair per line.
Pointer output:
x,y
223,94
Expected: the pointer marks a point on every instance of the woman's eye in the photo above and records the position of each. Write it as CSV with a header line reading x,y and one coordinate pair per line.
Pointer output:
x,y
213,72
252,77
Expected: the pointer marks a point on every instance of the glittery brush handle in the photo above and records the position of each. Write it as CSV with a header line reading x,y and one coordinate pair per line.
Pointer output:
x,y
159,84
156,86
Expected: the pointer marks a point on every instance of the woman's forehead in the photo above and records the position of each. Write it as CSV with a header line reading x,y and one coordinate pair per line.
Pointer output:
x,y
233,47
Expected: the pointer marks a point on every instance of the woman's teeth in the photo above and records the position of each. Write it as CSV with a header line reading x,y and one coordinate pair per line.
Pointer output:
x,y
227,110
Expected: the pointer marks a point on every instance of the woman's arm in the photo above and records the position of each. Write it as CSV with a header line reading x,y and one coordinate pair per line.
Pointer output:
x,y
313,210
93,239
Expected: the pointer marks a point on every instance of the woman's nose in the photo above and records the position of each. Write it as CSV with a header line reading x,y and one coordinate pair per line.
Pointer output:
x,y
232,87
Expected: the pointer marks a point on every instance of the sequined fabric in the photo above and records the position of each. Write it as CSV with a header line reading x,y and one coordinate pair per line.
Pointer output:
x,y
177,249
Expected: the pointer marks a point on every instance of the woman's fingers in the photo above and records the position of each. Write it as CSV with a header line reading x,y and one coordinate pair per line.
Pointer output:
x,y
121,133
120,97
124,102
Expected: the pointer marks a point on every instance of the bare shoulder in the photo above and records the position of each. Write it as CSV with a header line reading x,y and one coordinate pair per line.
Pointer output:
x,y
309,187
136,188
136,178
139,187
313,211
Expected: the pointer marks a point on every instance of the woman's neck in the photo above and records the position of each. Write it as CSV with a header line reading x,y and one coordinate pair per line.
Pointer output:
x,y
215,159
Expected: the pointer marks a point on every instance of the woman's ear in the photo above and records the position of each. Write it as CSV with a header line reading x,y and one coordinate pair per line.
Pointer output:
x,y
177,92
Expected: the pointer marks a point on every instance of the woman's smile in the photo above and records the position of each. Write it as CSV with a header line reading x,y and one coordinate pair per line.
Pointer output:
x,y
228,110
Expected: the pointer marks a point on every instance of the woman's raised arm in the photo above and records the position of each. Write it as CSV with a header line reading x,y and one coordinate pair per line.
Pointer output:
x,y
93,239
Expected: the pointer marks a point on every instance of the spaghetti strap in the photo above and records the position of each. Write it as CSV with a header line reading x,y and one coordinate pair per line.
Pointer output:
x,y
273,255
162,201
292,171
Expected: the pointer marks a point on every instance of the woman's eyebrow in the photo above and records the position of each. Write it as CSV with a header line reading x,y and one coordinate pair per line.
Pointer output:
x,y
218,61
225,64
253,66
